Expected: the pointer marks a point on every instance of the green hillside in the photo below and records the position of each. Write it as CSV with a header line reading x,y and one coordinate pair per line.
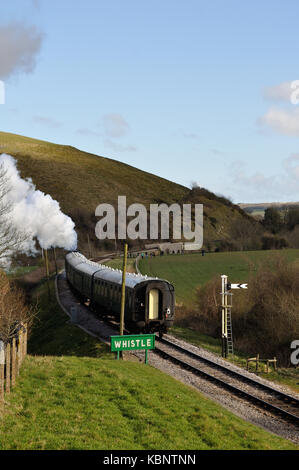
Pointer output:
x,y
80,181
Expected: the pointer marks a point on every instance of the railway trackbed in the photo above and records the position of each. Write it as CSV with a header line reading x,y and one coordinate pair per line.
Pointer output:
x,y
202,371
274,401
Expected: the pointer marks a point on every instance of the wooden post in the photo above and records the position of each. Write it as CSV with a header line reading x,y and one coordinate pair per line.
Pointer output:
x,y
47,270
20,346
1,382
18,360
7,360
2,361
123,293
89,250
25,339
13,362
257,362
55,261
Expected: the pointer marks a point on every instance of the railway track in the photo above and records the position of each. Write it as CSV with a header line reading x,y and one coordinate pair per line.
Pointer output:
x,y
269,399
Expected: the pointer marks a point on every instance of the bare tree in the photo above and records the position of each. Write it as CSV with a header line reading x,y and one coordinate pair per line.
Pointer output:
x,y
11,240
13,309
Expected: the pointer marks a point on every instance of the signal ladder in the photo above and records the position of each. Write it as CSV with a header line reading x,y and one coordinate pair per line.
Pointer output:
x,y
230,345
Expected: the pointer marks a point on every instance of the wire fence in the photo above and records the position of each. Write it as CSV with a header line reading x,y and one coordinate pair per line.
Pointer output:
x,y
12,355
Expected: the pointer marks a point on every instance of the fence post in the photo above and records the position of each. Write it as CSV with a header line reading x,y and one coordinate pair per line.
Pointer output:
x,y
13,362
25,340
7,360
19,353
2,361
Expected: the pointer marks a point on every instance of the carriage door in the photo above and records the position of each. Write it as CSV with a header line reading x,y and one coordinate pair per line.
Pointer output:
x,y
153,304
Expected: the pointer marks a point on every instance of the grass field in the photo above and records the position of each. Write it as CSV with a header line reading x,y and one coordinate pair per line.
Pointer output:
x,y
189,271
73,394
117,263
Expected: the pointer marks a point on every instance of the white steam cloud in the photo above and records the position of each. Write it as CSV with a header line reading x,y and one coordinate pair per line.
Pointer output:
x,y
36,213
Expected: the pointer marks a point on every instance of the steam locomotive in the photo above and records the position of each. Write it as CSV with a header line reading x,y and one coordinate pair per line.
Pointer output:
x,y
149,301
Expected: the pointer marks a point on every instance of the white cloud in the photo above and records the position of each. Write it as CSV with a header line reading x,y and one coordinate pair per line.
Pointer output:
x,y
115,125
280,92
190,135
87,132
217,152
273,187
119,147
46,121
282,121
19,46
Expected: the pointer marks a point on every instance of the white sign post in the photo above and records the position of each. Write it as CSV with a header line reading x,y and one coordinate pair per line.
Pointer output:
x,y
237,286
226,319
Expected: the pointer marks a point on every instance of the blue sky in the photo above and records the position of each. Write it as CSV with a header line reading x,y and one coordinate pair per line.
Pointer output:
x,y
193,91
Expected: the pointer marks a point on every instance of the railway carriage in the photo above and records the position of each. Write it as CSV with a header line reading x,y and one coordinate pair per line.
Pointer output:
x,y
149,304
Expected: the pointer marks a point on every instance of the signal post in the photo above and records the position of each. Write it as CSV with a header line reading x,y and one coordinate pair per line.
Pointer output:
x,y
226,319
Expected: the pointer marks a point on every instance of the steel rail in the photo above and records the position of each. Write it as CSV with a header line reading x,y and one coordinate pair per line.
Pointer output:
x,y
231,388
233,373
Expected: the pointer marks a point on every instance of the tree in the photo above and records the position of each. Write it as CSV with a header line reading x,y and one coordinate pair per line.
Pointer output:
x,y
13,308
292,218
272,220
11,240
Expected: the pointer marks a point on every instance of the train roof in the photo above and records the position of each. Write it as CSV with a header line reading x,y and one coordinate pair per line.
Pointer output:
x,y
104,272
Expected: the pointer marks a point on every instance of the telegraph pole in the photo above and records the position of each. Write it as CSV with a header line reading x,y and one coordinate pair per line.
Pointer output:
x,y
47,270
123,291
55,260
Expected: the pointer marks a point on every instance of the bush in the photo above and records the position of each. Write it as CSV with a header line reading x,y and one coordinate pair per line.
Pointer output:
x,y
273,243
13,308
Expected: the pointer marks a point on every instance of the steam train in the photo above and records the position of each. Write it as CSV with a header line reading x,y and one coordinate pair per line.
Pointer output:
x,y
149,301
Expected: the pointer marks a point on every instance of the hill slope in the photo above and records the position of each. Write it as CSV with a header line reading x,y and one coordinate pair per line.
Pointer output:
x,y
80,181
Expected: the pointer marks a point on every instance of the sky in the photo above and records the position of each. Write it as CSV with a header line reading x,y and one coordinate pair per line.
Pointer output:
x,y
193,91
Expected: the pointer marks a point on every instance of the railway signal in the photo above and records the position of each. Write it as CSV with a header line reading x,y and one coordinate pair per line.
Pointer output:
x,y
236,286
226,320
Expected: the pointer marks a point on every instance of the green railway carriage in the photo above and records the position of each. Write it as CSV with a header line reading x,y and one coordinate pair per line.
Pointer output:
x,y
150,302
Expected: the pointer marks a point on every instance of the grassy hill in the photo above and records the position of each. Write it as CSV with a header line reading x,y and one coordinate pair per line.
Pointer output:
x,y
80,181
